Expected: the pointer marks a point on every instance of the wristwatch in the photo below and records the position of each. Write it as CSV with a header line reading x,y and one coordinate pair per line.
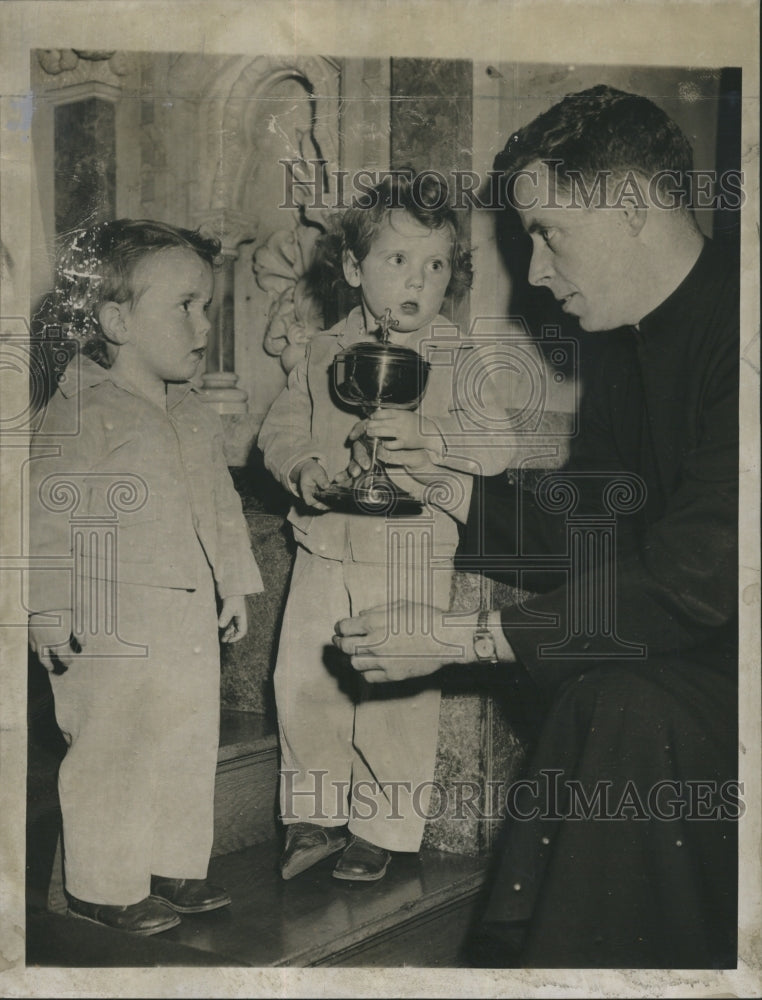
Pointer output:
x,y
485,649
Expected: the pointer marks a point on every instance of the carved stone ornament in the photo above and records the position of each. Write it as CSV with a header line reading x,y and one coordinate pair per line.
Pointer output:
x,y
294,316
281,265
95,55
55,61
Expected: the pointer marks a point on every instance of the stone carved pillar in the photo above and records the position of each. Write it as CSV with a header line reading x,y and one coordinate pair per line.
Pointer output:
x,y
220,381
79,130
251,117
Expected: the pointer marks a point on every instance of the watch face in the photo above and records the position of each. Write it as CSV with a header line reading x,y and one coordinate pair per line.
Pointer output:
x,y
484,646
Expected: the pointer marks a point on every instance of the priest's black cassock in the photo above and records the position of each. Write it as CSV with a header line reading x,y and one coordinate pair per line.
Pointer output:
x,y
620,848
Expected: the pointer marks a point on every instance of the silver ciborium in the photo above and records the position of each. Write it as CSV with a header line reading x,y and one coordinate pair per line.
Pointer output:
x,y
369,375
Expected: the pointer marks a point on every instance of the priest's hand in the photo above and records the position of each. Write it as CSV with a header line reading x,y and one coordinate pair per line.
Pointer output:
x,y
397,643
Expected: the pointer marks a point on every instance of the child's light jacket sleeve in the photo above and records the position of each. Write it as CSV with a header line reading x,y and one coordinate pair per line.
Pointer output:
x,y
235,569
286,436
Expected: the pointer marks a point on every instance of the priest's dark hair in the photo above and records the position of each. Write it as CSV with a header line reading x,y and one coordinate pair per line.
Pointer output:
x,y
601,130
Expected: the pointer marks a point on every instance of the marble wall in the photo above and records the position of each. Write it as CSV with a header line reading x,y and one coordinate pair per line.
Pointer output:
x,y
247,666
85,163
431,120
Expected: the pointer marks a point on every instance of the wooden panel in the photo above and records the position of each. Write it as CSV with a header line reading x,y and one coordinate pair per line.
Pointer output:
x,y
245,801
435,940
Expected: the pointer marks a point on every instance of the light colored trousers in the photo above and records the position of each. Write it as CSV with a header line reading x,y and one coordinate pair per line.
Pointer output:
x,y
351,750
137,783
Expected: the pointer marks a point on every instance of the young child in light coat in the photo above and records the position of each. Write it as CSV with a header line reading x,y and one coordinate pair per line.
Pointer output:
x,y
359,760
136,532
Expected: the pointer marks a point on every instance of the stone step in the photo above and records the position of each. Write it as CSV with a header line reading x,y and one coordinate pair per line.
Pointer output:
x,y
418,915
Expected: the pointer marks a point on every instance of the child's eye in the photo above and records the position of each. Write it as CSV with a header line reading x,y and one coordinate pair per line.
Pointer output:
x,y
397,258
437,265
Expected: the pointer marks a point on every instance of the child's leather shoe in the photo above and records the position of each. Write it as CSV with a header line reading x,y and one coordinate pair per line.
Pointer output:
x,y
362,862
308,843
149,916
189,895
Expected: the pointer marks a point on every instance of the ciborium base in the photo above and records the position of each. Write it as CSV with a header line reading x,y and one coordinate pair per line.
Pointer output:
x,y
377,499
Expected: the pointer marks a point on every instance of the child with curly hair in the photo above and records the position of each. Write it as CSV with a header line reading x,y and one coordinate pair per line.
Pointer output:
x,y
348,754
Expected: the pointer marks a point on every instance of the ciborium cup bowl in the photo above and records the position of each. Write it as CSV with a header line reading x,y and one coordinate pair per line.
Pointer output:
x,y
369,375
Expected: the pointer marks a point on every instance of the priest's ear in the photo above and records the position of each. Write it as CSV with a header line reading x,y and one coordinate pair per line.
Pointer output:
x,y
633,205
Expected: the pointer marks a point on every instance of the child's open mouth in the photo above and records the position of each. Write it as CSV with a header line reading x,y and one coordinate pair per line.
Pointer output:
x,y
409,308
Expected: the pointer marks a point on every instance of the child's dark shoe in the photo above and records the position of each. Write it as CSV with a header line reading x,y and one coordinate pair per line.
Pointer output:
x,y
308,843
362,862
189,895
149,916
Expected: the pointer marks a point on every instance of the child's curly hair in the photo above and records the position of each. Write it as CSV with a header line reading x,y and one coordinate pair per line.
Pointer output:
x,y
97,264
424,197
